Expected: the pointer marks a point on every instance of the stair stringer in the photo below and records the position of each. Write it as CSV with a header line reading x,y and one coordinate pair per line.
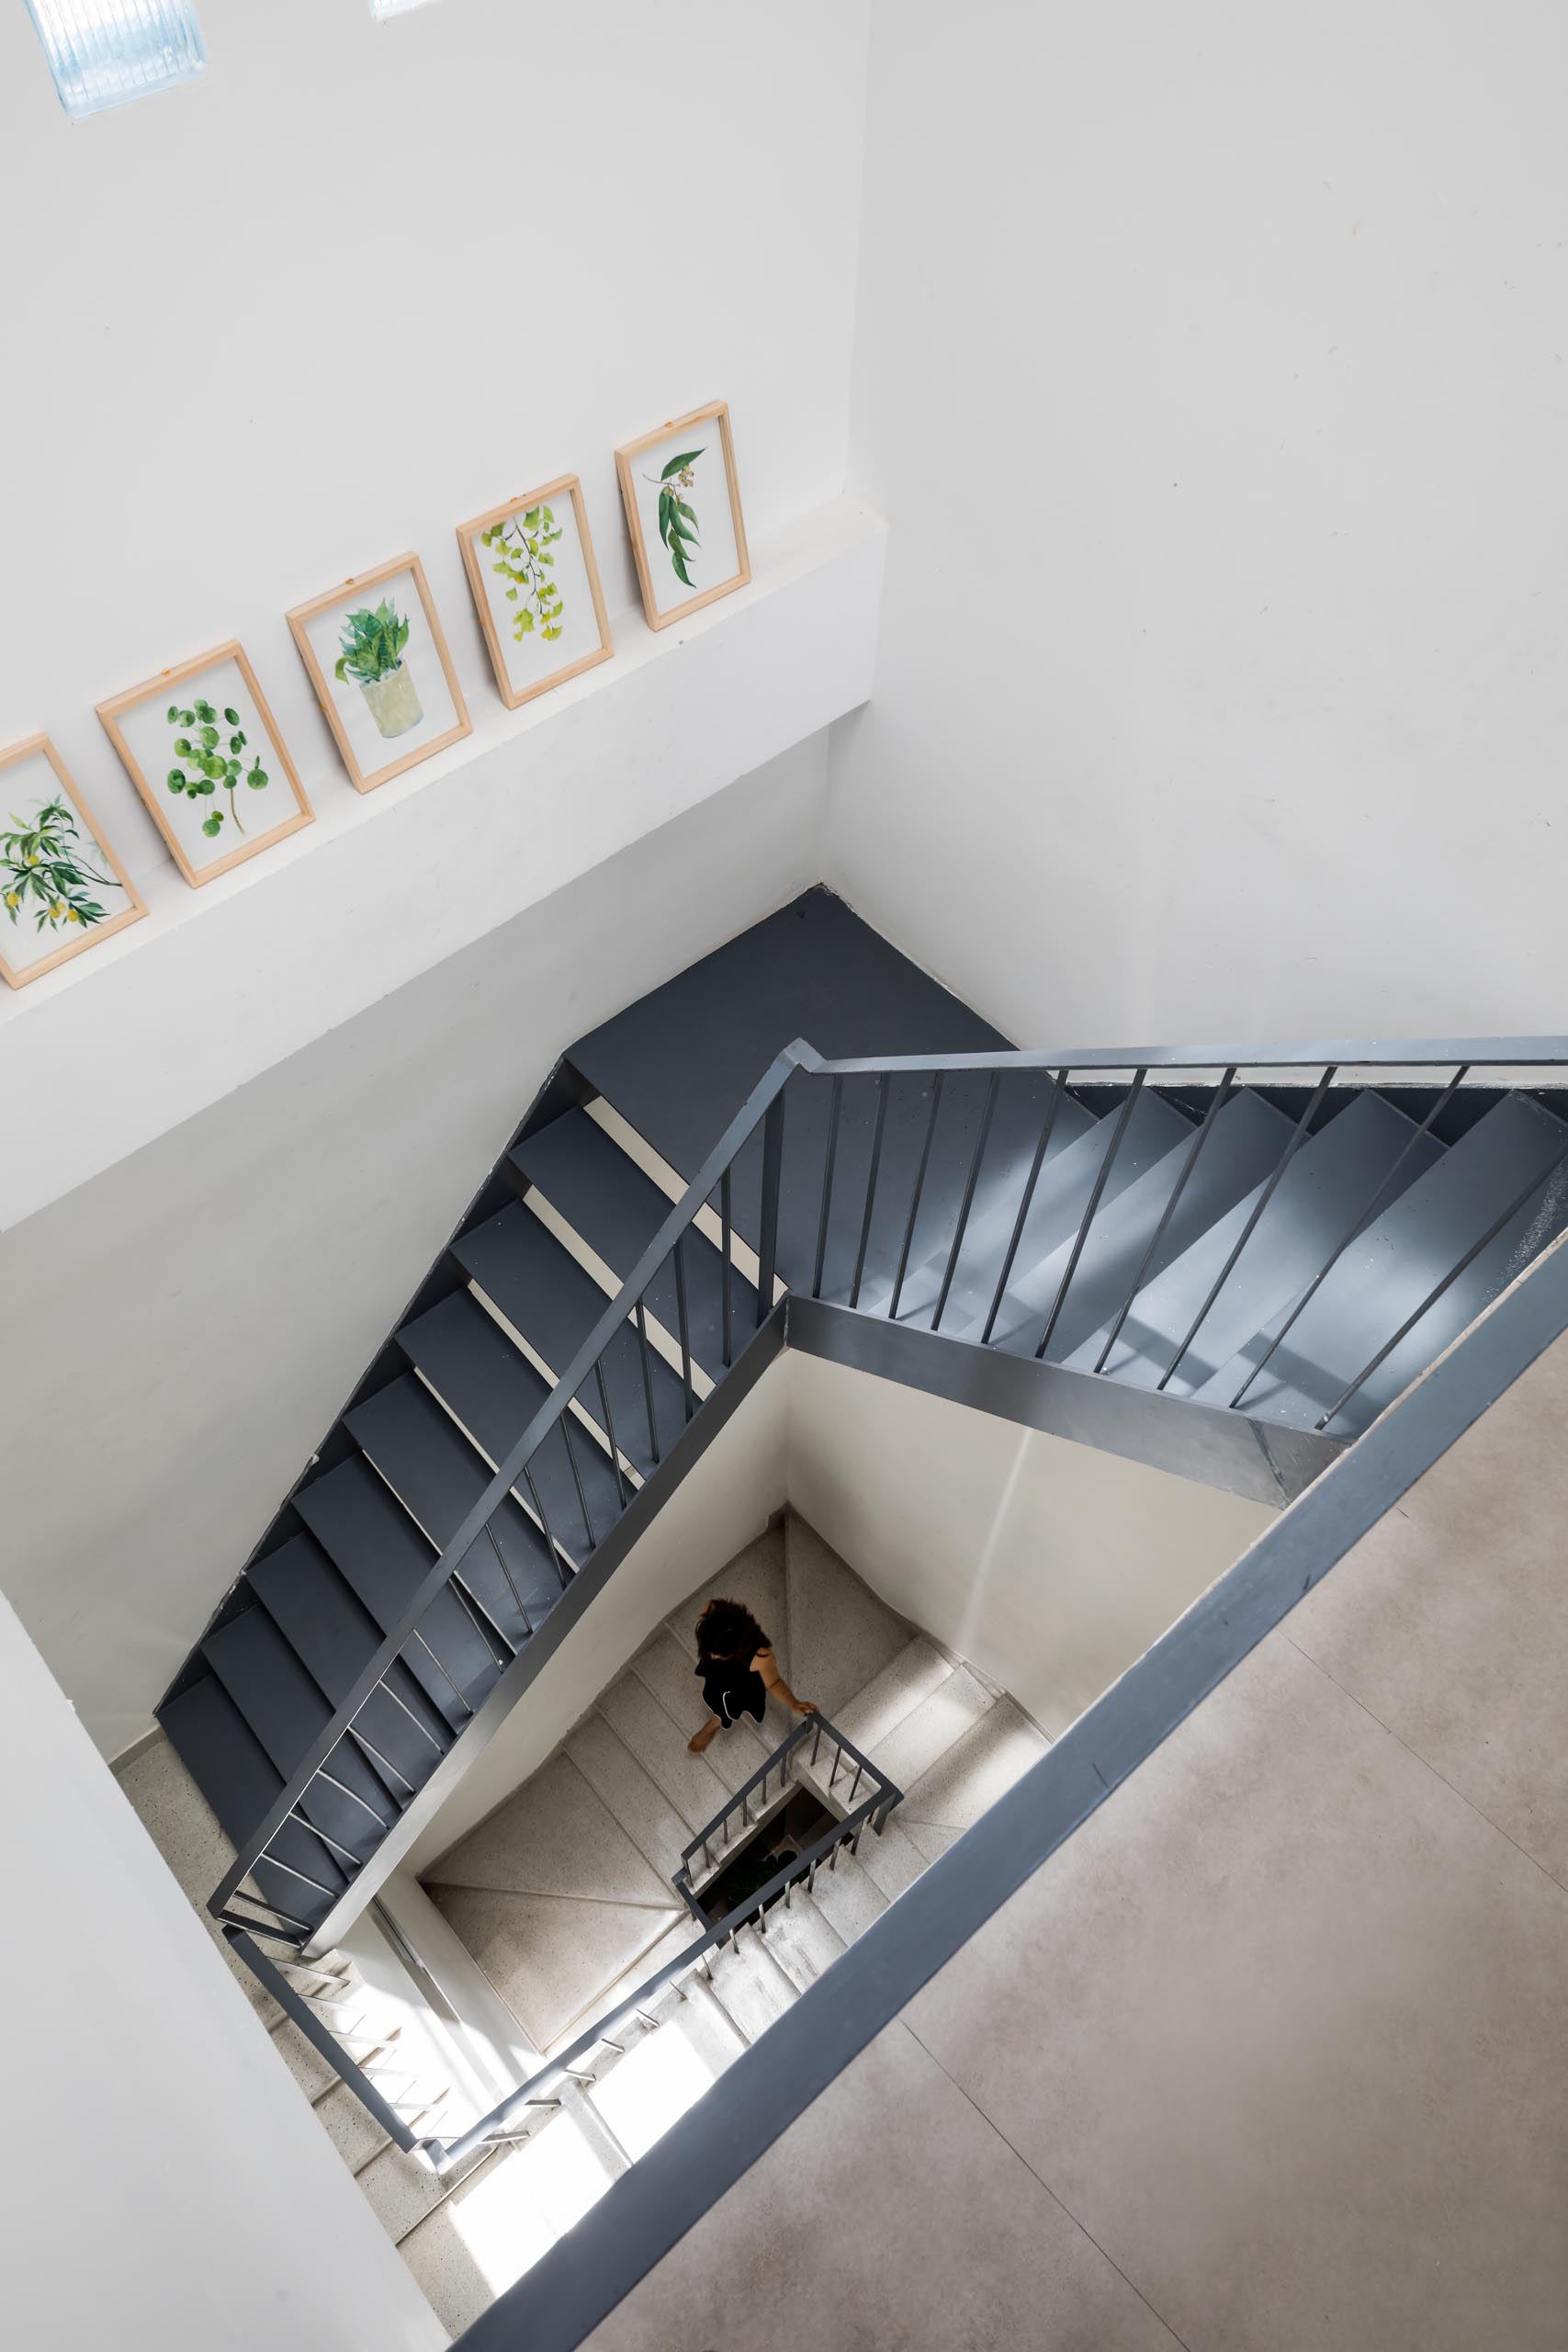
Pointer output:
x,y
1221,1447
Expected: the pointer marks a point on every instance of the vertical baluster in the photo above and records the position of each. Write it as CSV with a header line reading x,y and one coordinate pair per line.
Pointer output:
x,y
610,1431
773,1155
915,1199
883,1087
1088,1216
968,1200
1058,1089
831,1155
544,1519
565,1427
726,1226
1298,1137
648,1380
1217,1104
683,1318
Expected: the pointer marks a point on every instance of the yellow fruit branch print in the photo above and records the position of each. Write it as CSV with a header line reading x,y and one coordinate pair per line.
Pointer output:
x,y
521,547
45,872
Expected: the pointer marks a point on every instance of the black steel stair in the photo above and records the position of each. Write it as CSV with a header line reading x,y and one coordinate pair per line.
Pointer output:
x,y
1295,1250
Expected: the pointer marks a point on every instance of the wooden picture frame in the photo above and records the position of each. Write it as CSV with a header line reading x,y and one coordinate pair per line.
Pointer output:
x,y
364,712
658,562
78,930
145,746
525,599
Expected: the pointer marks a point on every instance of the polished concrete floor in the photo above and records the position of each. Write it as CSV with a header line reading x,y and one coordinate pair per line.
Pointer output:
x,y
1272,2055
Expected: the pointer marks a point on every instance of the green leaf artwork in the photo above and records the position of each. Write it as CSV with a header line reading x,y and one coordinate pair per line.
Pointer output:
x,y
677,520
46,871
372,644
520,550
208,760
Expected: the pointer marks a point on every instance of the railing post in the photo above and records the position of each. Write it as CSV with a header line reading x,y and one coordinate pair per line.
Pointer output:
x,y
773,1157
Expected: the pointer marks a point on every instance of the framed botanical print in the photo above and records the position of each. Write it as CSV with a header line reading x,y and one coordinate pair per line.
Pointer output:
x,y
530,564
378,662
61,886
201,748
683,504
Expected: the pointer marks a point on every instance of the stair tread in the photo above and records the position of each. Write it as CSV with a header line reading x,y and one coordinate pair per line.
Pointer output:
x,y
1315,1203
336,1636
977,1769
910,1747
689,1781
1383,1276
554,1303
635,1799
664,1666
383,1557
489,1386
749,1984
612,1206
848,1897
282,1704
1241,1150
919,1669
802,1938
232,1768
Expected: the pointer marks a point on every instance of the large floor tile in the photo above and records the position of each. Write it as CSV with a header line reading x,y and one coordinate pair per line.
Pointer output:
x,y
556,1835
893,2197
1285,2025
552,1959
841,1635
1448,1620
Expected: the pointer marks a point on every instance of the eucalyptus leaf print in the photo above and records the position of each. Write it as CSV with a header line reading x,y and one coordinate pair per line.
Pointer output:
x,y
47,872
208,751
677,517
521,553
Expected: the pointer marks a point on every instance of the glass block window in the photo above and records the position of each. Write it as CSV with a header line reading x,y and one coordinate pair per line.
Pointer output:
x,y
105,52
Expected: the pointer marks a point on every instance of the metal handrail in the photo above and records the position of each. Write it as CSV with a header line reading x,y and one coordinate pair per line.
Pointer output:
x,y
626,1302
811,1726
568,2065
764,1109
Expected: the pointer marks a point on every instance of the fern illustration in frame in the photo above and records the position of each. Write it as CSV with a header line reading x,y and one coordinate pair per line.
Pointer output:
x,y
377,656
61,886
531,565
682,501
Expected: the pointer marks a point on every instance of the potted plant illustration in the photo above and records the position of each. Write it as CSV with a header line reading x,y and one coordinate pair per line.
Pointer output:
x,y
521,545
46,871
677,519
372,656
206,765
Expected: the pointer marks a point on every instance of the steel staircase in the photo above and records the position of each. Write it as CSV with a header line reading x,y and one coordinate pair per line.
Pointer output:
x,y
1287,1236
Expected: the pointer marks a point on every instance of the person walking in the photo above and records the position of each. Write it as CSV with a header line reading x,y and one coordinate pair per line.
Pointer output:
x,y
739,1670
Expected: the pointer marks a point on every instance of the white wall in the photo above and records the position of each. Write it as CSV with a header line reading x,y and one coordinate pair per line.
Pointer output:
x,y
132,2067
362,281
723,1506
189,1323
1210,371
1050,1565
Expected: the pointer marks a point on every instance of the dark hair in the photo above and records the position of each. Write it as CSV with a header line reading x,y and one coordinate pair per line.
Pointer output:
x,y
724,1629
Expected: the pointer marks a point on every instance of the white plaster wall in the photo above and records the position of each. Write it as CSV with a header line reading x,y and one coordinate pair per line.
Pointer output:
x,y
1050,1565
727,1502
361,282
1211,369
175,2190
182,1329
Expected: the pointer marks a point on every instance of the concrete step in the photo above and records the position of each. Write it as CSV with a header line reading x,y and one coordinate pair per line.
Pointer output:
x,y
665,1667
918,1670
635,1798
975,1771
658,1745
930,1728
893,1861
802,1938
750,1986
848,1896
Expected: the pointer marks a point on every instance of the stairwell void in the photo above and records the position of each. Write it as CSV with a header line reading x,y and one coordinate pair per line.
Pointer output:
x,y
1223,1262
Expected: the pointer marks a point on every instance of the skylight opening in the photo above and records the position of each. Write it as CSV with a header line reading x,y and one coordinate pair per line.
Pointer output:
x,y
105,52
